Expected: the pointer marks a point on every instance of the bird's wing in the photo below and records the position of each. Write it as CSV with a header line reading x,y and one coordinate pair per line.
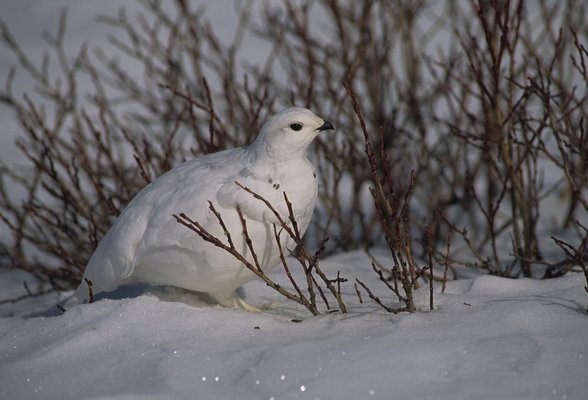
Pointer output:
x,y
231,196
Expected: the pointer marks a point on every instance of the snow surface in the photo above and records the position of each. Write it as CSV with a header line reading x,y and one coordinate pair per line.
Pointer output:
x,y
489,338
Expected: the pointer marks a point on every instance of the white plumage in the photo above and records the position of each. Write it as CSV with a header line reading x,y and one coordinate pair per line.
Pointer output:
x,y
146,244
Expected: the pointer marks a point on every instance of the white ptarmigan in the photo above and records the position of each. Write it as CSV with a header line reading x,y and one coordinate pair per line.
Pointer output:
x,y
146,244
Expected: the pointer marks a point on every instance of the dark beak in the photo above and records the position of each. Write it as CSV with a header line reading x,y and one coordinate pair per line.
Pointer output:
x,y
326,126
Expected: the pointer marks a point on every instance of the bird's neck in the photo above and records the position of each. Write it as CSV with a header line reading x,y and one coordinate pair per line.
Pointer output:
x,y
277,153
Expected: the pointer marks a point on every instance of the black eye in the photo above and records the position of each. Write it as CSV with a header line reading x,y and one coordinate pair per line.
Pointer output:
x,y
296,126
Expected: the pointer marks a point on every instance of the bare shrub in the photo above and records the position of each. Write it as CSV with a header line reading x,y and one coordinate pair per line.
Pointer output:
x,y
393,214
485,103
288,227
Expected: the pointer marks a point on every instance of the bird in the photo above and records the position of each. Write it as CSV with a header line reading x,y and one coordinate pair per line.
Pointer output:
x,y
146,245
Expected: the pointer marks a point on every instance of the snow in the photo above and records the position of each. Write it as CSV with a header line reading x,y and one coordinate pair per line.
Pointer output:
x,y
488,338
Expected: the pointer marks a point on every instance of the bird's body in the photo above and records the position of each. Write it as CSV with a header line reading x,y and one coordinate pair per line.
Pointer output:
x,y
146,244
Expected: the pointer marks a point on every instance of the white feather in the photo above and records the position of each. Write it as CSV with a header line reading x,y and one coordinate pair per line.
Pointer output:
x,y
146,244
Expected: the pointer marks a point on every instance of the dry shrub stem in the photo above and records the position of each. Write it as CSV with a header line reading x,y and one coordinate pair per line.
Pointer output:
x,y
393,219
310,263
577,254
492,123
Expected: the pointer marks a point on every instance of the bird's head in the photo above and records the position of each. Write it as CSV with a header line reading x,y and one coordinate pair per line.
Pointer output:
x,y
288,133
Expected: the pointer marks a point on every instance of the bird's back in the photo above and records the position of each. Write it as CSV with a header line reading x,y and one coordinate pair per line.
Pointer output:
x,y
146,224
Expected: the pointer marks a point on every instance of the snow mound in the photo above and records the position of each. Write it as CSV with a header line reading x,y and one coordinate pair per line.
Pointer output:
x,y
489,338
